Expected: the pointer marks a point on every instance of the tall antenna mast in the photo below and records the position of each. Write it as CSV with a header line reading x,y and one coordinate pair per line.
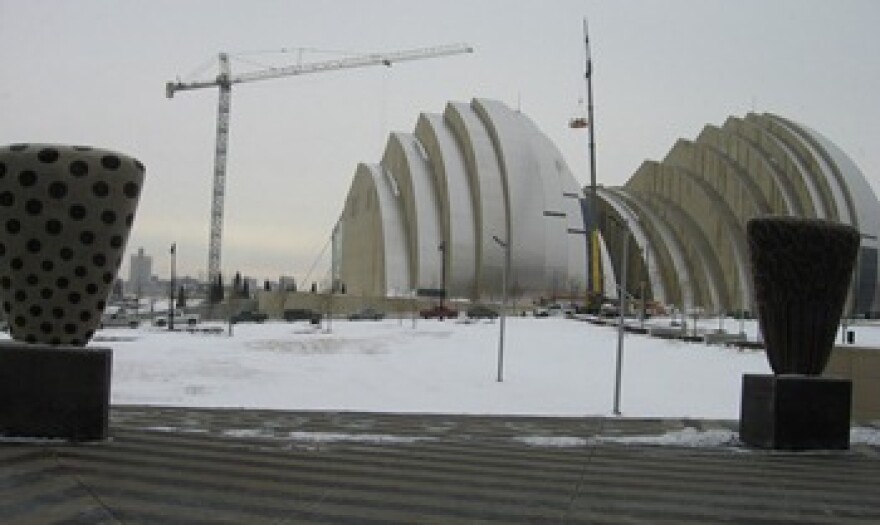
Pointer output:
x,y
593,280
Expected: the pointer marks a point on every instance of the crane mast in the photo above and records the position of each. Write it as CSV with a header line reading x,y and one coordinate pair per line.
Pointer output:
x,y
224,82
218,191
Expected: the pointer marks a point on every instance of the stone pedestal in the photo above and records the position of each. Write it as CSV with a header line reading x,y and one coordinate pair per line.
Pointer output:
x,y
795,412
54,391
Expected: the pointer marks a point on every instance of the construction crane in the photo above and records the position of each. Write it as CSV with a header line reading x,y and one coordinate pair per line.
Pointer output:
x,y
224,82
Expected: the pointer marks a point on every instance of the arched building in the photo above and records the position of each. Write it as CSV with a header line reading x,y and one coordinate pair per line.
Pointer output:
x,y
429,213
685,216
438,209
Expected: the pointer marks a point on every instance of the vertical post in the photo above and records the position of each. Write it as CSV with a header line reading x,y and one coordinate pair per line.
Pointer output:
x,y
742,305
330,307
137,298
645,284
503,313
172,286
503,317
643,310
442,248
620,330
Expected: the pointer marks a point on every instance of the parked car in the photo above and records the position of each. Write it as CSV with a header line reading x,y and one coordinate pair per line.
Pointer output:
x,y
555,310
180,319
481,312
438,312
301,314
248,316
367,314
119,320
609,309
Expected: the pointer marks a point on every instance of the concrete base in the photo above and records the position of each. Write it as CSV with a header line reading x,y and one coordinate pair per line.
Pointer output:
x,y
793,412
862,367
54,391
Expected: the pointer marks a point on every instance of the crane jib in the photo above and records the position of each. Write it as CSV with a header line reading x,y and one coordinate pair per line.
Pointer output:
x,y
225,80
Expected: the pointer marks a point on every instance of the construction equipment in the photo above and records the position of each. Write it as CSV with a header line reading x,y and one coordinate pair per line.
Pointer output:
x,y
225,80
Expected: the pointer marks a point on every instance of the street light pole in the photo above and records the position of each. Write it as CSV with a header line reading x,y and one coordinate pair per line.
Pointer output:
x,y
173,285
442,248
503,305
620,330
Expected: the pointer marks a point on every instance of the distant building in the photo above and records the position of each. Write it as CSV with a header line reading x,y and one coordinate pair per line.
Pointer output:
x,y
140,272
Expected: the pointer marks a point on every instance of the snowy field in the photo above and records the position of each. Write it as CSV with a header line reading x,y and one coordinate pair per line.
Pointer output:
x,y
553,367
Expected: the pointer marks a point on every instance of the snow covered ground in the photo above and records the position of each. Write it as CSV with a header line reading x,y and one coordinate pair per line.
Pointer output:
x,y
552,366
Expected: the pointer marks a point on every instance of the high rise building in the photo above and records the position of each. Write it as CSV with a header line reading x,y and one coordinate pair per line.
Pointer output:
x,y
140,271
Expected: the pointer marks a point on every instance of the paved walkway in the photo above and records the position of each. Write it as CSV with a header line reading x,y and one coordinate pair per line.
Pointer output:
x,y
166,465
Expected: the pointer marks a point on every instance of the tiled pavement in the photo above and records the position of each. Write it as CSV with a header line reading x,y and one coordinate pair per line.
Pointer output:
x,y
170,465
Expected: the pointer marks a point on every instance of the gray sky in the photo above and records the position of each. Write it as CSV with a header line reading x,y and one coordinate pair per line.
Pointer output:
x,y
93,72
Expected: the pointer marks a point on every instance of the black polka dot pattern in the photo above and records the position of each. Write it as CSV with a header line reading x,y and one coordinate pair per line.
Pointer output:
x,y
65,214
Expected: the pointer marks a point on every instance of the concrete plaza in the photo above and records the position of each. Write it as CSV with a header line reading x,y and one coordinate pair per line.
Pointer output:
x,y
174,465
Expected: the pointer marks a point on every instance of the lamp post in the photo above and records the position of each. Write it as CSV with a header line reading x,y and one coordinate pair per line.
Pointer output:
x,y
506,249
137,298
646,280
624,226
330,293
173,284
740,289
620,330
442,248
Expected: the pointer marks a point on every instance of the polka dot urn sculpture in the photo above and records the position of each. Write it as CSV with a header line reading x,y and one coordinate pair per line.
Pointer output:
x,y
65,216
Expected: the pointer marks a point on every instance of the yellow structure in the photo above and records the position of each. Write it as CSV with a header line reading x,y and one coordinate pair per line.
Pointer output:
x,y
686,214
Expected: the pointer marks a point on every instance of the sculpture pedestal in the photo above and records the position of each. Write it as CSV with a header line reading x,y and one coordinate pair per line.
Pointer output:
x,y
795,412
54,391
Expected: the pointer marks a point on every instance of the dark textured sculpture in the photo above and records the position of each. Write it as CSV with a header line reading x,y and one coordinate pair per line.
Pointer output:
x,y
802,269
65,215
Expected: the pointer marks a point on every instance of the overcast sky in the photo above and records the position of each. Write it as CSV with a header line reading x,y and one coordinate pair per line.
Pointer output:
x,y
94,71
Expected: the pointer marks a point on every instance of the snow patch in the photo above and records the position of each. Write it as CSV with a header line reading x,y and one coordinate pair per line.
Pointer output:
x,y
324,437
552,441
686,437
375,439
249,433
864,436
183,430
